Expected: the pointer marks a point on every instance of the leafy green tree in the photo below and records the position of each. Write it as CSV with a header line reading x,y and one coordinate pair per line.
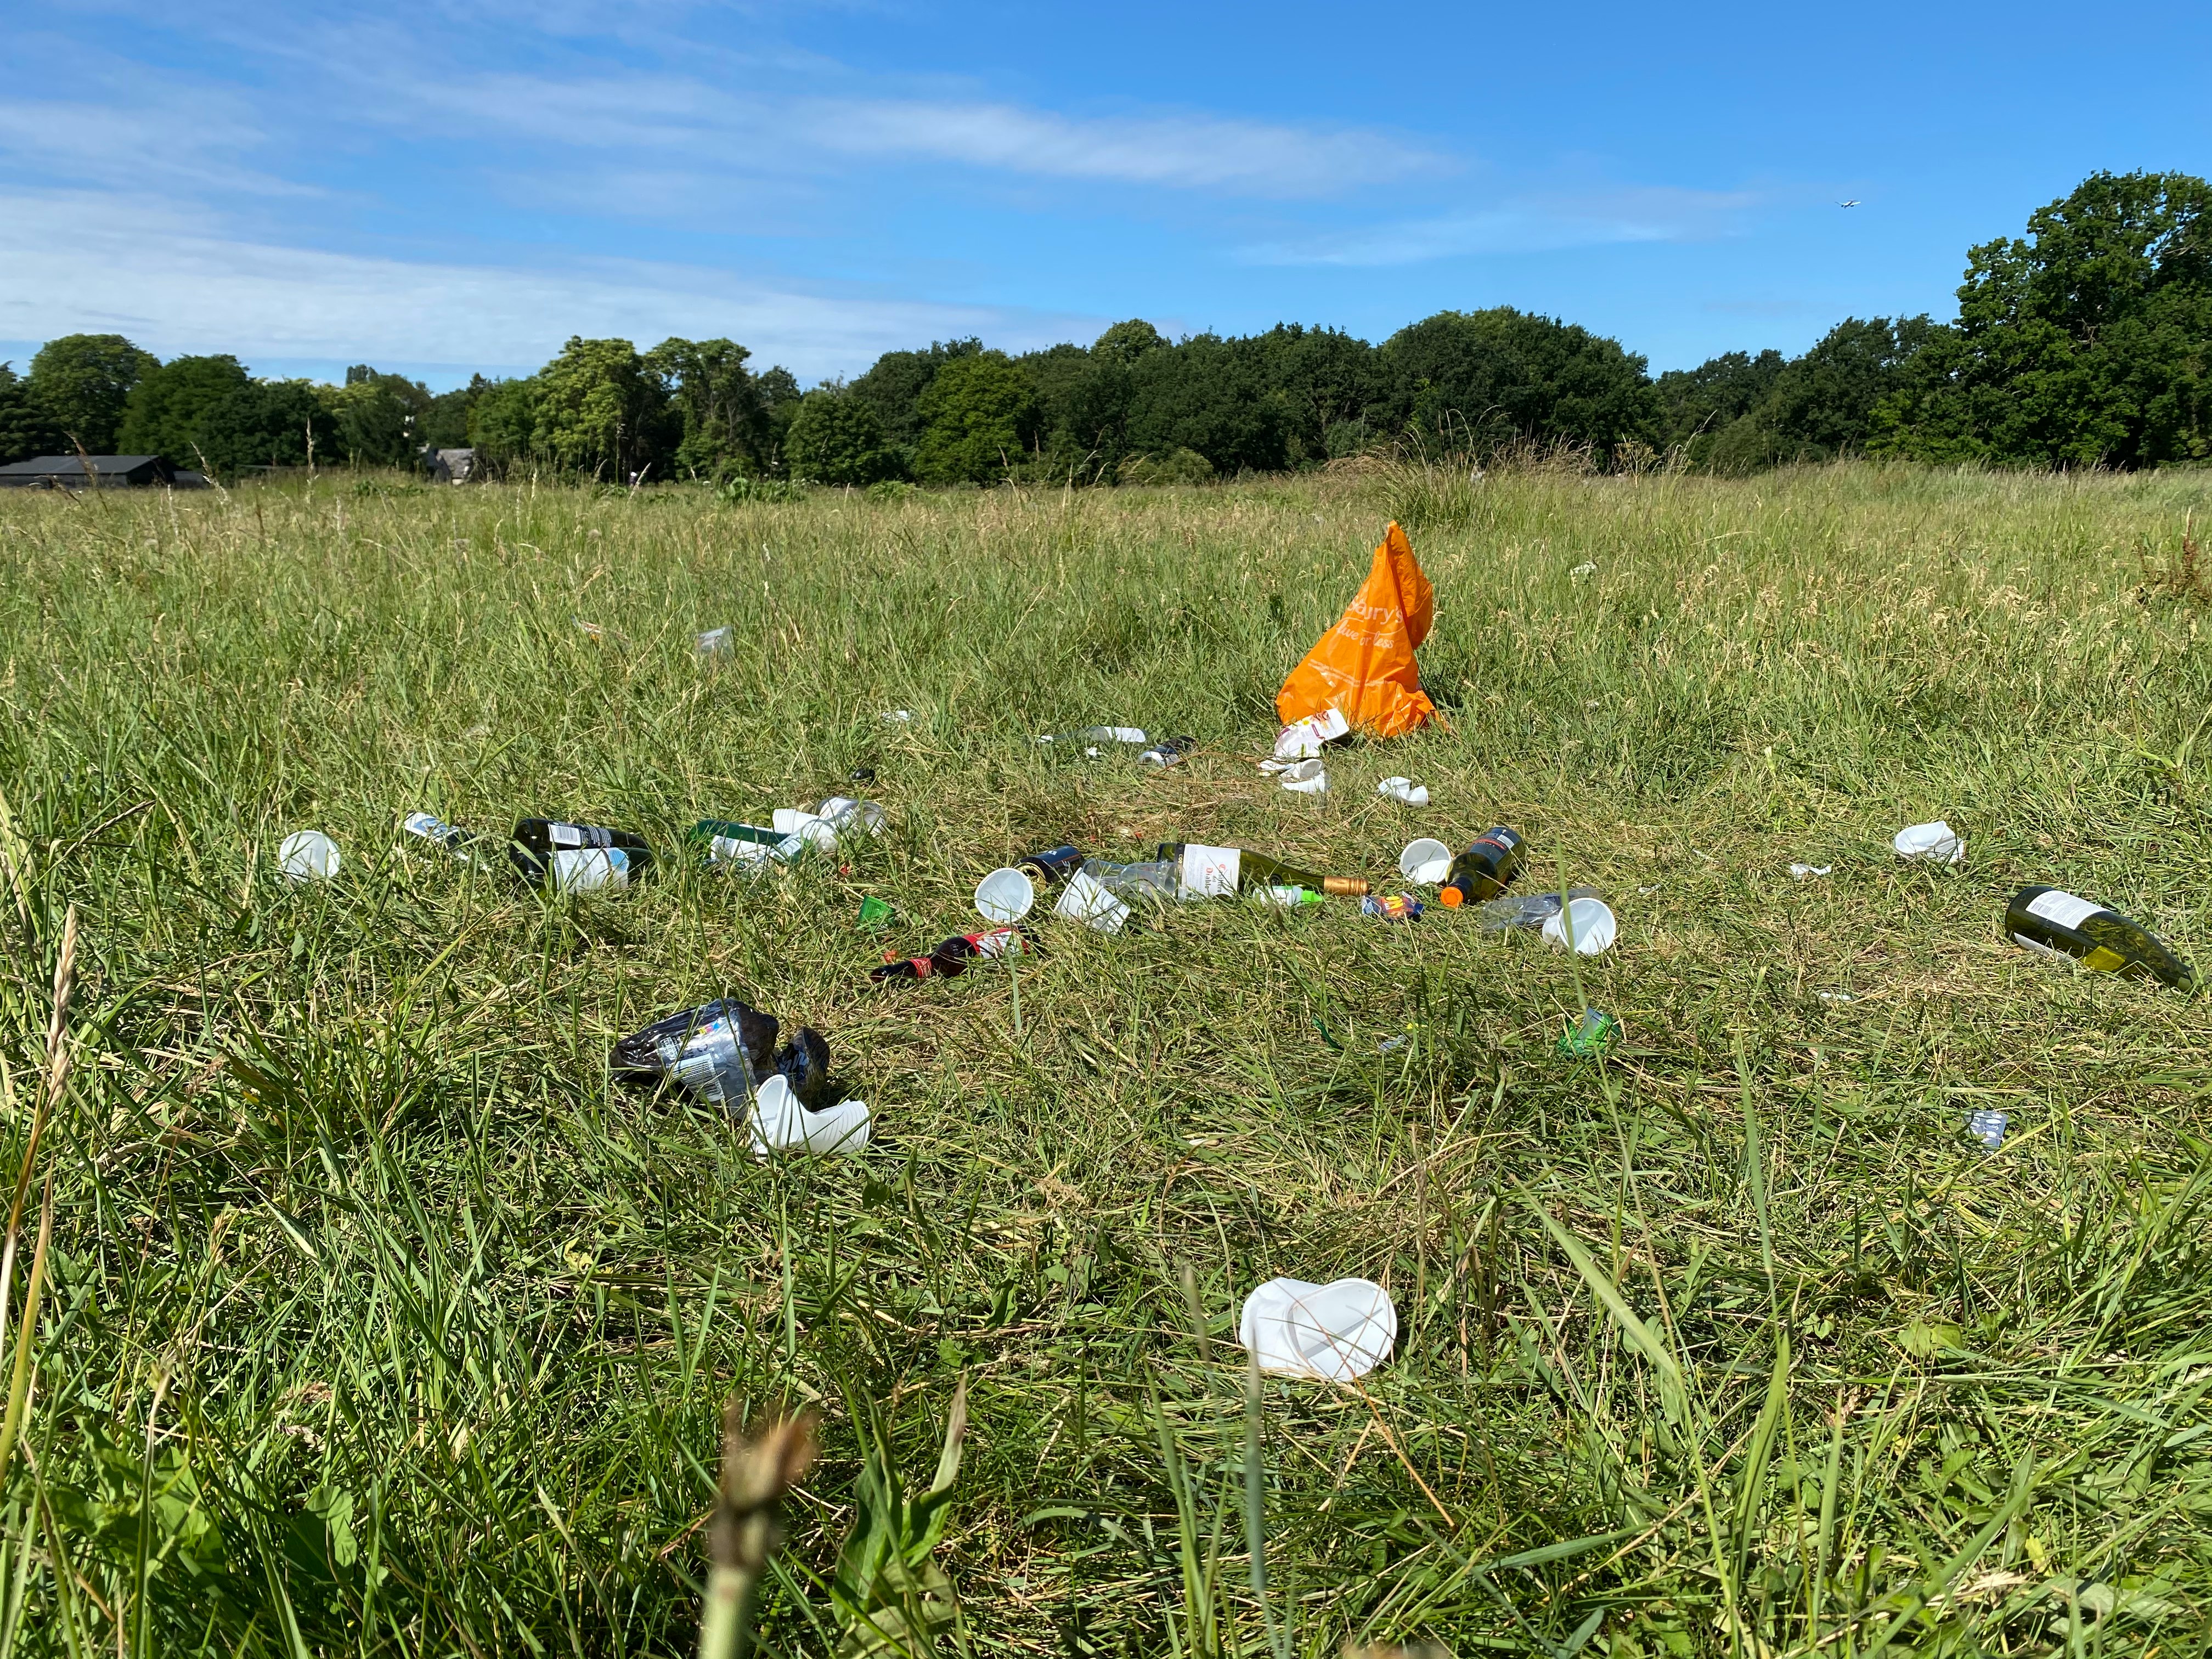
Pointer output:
x,y
780,400
1822,404
1480,380
444,422
503,421
85,380
718,402
1700,403
2088,341
375,416
206,411
26,426
1323,381
1124,343
1210,395
835,439
895,386
978,417
601,409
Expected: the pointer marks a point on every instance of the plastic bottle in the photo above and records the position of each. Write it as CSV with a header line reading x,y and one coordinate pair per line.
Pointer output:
x,y
951,957
722,1051
1525,909
2058,924
577,857
1486,869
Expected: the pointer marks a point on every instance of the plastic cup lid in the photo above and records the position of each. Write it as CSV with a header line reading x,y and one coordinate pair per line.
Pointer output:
x,y
1413,863
1005,895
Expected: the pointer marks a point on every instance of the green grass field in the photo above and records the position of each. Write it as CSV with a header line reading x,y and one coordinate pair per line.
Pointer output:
x,y
376,1320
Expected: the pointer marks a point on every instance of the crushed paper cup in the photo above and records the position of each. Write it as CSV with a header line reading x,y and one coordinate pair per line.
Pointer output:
x,y
1307,777
1806,871
1330,1332
1931,843
1403,789
781,1124
307,855
1425,862
1086,900
1594,923
1304,739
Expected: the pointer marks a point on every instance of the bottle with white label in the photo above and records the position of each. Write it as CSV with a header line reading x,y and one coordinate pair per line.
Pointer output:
x,y
2058,924
577,858
1215,872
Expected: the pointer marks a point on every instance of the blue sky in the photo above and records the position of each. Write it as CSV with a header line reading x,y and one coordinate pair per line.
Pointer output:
x,y
462,186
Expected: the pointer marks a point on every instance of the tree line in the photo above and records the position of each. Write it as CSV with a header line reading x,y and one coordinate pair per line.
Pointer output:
x,y
2087,342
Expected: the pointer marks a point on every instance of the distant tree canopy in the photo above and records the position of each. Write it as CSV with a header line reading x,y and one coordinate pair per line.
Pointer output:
x,y
2088,341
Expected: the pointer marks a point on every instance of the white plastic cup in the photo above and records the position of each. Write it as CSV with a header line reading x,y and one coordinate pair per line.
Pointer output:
x,y
1333,1333
1931,843
1425,861
1594,924
1403,789
1087,901
1308,777
1005,895
307,855
781,1124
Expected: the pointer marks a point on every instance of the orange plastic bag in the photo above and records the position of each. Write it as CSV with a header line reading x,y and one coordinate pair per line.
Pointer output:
x,y
1363,667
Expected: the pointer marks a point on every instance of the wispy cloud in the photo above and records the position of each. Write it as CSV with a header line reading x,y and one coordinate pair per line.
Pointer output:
x,y
97,264
1530,224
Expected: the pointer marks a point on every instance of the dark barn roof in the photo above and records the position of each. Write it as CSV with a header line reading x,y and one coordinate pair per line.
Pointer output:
x,y
99,471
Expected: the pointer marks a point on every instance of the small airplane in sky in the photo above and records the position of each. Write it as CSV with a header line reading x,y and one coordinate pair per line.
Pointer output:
x,y
1854,202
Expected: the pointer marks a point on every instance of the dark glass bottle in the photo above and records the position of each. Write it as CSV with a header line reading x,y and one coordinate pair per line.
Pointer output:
x,y
1486,869
2047,919
724,1051
1054,864
951,957
536,844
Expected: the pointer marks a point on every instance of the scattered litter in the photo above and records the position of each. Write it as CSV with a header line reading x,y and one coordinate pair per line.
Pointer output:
x,y
1931,843
747,845
1987,1125
1391,1045
1304,739
1391,907
1587,568
1054,864
1833,997
1085,899
577,858
722,1051
1509,910
476,733
1093,739
781,1124
838,818
1288,898
716,642
1403,789
2057,923
444,836
1363,668
874,912
861,774
592,630
1486,869
1593,923
1169,751
1331,1333
950,958
1005,895
1806,871
1306,778
307,855
1589,1036
1646,892
896,716
1425,861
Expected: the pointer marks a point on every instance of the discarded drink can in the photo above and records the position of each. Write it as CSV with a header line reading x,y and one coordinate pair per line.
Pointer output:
x,y
1054,864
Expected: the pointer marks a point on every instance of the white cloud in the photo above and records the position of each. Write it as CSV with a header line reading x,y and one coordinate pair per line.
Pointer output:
x,y
174,283
1534,224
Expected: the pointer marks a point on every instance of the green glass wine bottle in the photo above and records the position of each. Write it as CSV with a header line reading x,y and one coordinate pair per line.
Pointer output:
x,y
2049,919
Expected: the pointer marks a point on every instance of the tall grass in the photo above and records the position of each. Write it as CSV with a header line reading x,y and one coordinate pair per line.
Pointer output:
x,y
376,1319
